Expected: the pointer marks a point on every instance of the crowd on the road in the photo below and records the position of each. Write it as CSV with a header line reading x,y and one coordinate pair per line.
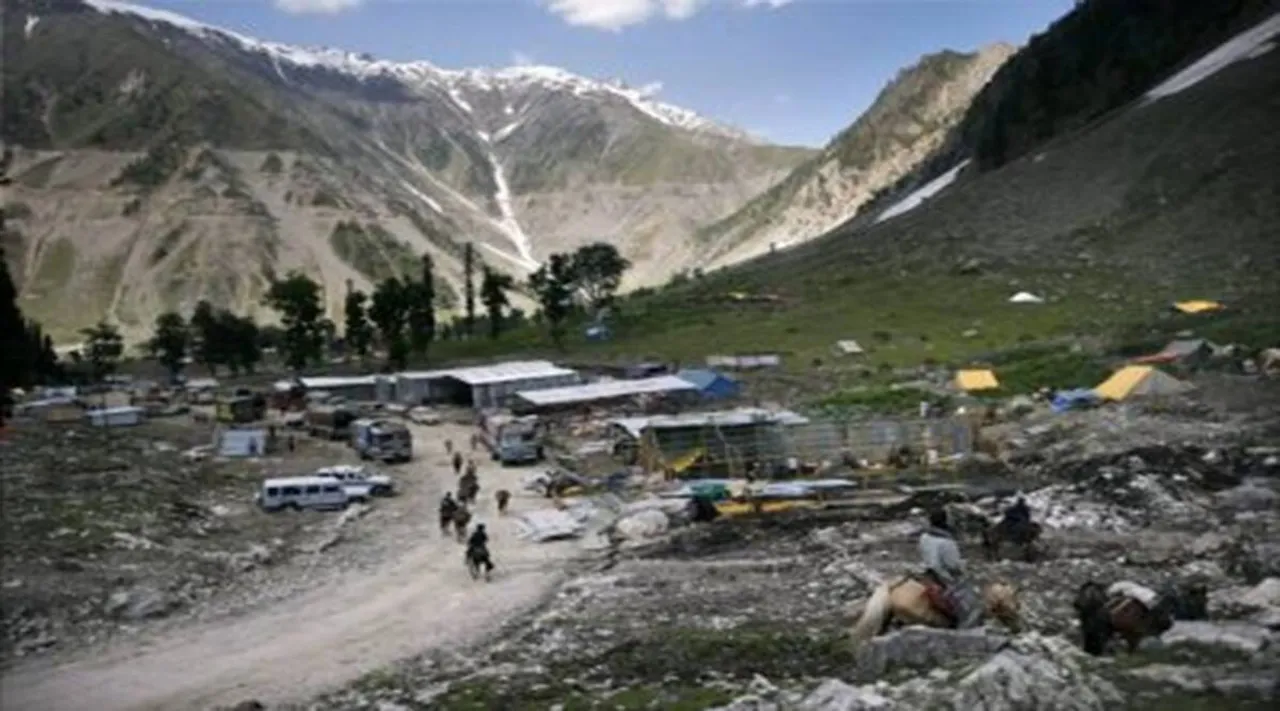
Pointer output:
x,y
455,513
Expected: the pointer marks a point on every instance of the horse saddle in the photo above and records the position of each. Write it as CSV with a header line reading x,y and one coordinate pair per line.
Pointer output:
x,y
936,594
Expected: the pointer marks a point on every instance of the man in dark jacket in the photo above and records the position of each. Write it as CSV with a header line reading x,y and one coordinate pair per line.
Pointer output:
x,y
478,548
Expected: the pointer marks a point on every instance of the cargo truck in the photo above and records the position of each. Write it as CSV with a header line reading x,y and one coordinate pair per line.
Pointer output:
x,y
329,421
511,439
382,440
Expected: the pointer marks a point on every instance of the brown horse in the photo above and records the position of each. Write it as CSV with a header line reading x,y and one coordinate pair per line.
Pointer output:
x,y
461,518
1023,536
907,600
503,498
1104,614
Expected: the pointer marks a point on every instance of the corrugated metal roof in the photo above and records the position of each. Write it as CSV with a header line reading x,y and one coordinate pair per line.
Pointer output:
x,y
495,373
605,390
329,382
724,418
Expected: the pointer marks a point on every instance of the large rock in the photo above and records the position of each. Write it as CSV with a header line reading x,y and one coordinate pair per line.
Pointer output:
x,y
1242,637
1249,496
925,647
1033,674
1255,683
646,523
140,604
835,695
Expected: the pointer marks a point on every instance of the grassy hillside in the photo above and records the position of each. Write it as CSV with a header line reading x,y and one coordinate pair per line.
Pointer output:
x,y
1177,199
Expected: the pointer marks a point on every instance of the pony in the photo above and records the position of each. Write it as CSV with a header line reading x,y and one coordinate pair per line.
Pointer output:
x,y
461,518
906,600
503,498
468,489
476,559
1023,535
1105,613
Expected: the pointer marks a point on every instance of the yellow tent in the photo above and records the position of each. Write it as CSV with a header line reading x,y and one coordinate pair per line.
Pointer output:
x,y
971,380
1135,380
1197,306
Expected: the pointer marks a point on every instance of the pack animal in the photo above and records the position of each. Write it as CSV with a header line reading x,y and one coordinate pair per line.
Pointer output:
x,y
1121,612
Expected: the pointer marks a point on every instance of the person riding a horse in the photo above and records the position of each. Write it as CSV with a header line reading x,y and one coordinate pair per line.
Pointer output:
x,y
1017,515
461,518
478,548
468,488
945,568
448,507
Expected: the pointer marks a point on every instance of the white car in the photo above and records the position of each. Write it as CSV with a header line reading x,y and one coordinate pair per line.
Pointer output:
x,y
303,492
359,484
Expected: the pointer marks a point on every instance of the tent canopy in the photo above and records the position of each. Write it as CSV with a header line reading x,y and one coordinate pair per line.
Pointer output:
x,y
1139,380
973,380
1025,297
1196,306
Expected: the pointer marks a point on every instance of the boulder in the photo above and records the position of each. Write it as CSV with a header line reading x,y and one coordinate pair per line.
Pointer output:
x,y
1242,637
1033,674
835,695
1248,497
140,604
646,523
925,647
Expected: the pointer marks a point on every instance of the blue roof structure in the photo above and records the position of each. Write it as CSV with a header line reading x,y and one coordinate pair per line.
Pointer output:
x,y
710,383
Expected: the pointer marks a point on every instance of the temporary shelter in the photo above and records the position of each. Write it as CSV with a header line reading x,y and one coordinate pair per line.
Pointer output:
x,y
1140,380
1025,297
1197,306
849,347
976,380
710,383
242,442
1181,351
603,391
485,386
115,416
1064,400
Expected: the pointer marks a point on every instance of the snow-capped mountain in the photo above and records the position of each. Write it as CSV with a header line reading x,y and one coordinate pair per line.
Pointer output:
x,y
203,161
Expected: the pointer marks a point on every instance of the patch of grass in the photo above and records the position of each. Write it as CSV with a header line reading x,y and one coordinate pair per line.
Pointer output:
x,y
538,693
688,655
17,210
57,265
1028,369
272,165
167,243
324,197
154,168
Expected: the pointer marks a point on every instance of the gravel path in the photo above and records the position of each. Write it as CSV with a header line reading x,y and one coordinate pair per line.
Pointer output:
x,y
358,622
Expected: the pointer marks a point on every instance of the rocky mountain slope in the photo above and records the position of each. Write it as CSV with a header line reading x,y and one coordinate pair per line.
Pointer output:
x,y
906,123
156,161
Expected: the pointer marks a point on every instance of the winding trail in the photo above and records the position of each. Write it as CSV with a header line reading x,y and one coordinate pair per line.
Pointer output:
x,y
299,647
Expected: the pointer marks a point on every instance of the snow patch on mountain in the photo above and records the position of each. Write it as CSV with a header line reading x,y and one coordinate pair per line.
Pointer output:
x,y
363,66
1249,44
509,223
32,21
924,192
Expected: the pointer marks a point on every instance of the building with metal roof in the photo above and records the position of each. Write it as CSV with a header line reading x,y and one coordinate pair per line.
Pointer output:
x,y
484,386
602,391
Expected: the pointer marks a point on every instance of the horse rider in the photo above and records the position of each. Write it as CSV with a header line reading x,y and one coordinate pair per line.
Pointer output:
x,y
478,547
448,507
944,565
457,463
1017,515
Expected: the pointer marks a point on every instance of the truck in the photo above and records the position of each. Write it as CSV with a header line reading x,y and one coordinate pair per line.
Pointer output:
x,y
511,439
382,440
358,483
239,409
329,421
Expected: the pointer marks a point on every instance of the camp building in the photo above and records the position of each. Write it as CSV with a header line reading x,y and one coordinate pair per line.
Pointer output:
x,y
482,387
726,441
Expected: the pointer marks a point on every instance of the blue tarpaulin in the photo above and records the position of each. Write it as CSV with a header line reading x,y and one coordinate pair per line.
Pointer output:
x,y
1064,400
710,383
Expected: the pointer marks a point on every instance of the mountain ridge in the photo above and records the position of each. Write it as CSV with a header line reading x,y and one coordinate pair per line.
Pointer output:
x,y
523,162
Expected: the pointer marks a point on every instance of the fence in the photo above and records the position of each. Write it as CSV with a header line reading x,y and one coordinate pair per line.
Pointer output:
x,y
731,450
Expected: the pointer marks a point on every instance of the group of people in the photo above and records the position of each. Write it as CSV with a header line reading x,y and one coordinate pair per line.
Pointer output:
x,y
456,514
951,592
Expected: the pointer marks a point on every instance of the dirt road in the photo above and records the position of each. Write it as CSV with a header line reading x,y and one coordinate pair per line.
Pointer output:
x,y
291,650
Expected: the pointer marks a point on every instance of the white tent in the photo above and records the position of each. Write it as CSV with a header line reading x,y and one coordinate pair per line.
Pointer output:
x,y
1025,297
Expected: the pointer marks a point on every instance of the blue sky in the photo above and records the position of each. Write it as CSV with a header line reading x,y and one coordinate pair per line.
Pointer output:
x,y
794,71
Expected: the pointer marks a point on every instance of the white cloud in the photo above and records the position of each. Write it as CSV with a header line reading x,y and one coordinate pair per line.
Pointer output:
x,y
317,7
522,59
613,15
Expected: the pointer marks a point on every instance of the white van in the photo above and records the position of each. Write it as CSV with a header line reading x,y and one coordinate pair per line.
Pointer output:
x,y
302,492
